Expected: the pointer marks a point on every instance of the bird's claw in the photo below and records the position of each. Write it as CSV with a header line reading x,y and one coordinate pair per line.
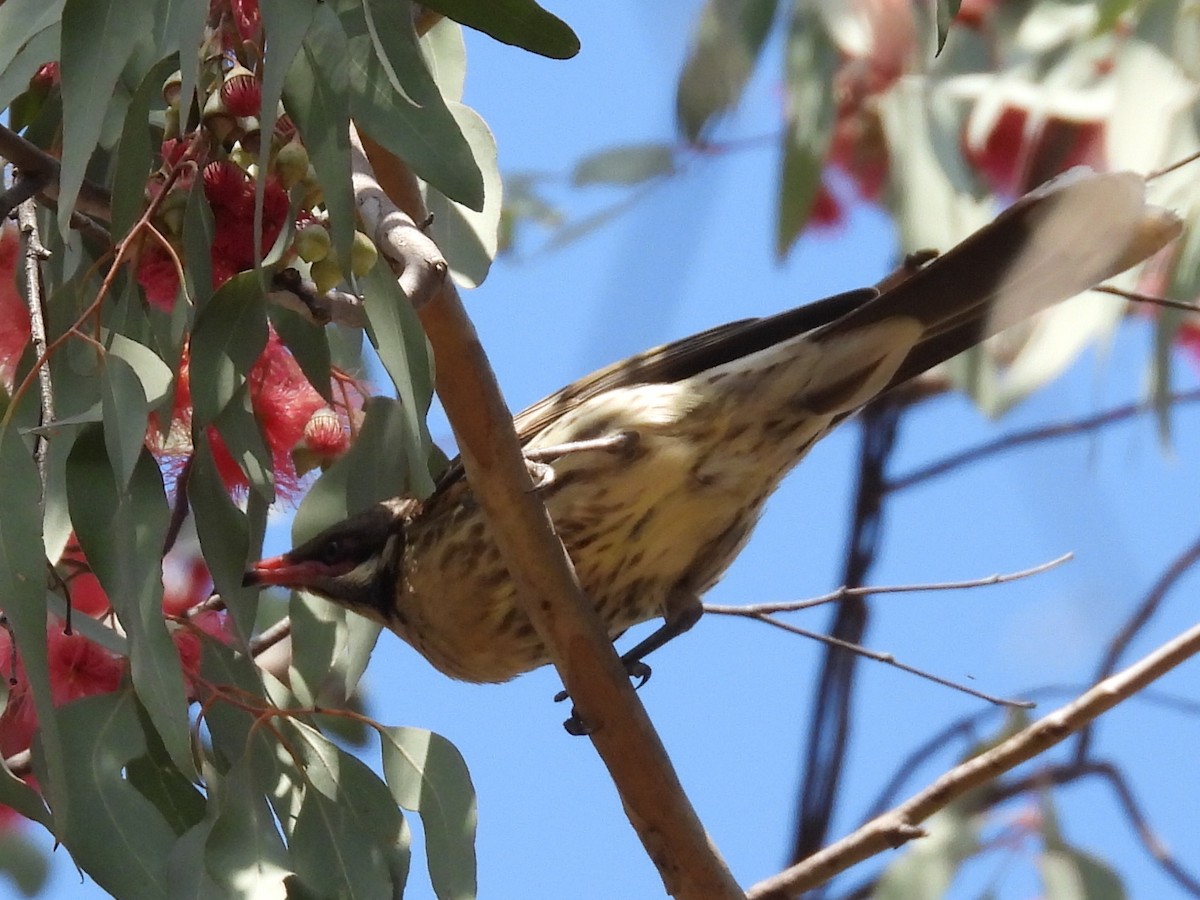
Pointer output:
x,y
576,727
540,473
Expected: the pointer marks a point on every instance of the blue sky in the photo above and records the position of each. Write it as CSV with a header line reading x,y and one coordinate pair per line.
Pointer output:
x,y
731,698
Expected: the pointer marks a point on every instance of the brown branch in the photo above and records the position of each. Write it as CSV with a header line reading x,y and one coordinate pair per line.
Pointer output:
x,y
1031,436
35,162
901,824
547,588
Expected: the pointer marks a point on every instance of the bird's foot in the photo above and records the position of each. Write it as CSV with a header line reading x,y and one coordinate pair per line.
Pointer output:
x,y
540,473
575,725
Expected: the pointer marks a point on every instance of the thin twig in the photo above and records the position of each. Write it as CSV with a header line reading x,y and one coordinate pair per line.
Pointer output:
x,y
1178,164
754,609
1031,436
1138,297
902,823
35,253
886,658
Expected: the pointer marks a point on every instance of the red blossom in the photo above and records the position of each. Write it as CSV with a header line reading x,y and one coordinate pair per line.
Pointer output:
x,y
283,402
247,19
14,315
242,95
230,194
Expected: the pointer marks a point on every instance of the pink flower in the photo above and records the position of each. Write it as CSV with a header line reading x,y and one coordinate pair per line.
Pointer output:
x,y
14,314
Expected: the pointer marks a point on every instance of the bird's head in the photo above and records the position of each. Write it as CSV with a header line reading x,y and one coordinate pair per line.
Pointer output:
x,y
354,564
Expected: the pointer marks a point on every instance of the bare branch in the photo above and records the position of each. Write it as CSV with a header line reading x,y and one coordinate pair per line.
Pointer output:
x,y
887,659
547,588
900,824
1032,436
35,253
36,163
1150,299
756,609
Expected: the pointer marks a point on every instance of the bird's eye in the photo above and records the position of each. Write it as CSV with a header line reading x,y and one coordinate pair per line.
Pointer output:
x,y
333,552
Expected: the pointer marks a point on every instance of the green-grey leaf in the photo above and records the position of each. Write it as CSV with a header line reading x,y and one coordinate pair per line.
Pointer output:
x,y
316,93
349,831
244,846
627,165
397,335
98,38
1071,874
125,410
469,239
23,862
154,374
521,23
395,100
240,432
229,335
121,532
105,736
426,774
199,228
224,537
928,866
307,343
21,21
811,60
729,36
946,11
22,584
134,152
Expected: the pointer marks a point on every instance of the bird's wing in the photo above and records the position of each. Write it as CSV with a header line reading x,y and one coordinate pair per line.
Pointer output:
x,y
691,355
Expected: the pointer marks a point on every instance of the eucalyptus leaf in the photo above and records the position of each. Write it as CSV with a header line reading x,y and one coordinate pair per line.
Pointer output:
x,y
229,335
308,345
106,735
316,94
135,152
121,533
373,469
810,63
125,410
22,584
521,23
729,36
224,537
427,774
397,335
626,165
467,238
245,853
98,38
394,98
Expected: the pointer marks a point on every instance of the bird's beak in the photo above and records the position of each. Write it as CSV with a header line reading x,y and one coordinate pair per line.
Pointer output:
x,y
279,570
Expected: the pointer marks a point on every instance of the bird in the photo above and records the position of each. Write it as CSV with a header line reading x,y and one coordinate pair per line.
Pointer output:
x,y
655,469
